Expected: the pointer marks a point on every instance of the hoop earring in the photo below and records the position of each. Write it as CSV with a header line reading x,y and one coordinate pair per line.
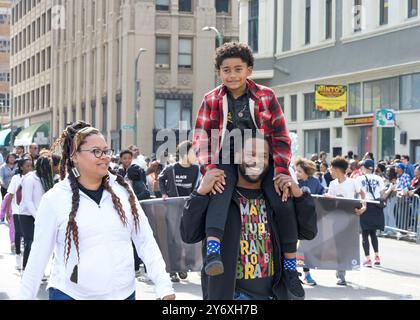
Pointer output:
x,y
75,172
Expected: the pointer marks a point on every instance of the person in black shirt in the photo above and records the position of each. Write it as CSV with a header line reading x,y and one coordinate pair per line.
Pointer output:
x,y
180,180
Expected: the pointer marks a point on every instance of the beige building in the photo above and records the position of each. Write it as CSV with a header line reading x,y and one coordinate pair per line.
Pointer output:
x,y
4,71
30,66
94,49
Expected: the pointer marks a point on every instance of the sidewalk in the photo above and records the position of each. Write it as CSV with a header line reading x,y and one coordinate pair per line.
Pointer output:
x,y
398,278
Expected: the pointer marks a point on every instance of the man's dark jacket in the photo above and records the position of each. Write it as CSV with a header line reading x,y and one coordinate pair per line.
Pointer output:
x,y
192,228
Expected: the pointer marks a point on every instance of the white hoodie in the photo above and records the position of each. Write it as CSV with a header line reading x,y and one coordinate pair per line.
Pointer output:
x,y
32,192
106,267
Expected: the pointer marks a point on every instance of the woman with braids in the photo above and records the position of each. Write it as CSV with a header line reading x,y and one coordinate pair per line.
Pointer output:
x,y
89,219
34,185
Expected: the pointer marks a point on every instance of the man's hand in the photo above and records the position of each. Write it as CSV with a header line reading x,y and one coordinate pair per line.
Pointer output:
x,y
286,184
212,182
164,197
169,297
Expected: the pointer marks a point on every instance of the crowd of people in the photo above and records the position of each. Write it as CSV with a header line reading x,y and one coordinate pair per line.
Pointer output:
x,y
80,206
352,177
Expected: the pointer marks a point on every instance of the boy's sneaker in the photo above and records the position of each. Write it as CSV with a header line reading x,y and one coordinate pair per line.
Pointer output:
x,y
368,263
214,264
377,261
294,285
309,281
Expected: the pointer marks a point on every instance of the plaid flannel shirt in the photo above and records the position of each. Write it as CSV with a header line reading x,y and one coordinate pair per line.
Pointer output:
x,y
403,182
268,117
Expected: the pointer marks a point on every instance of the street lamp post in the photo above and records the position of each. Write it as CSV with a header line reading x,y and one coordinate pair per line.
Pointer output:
x,y
219,35
137,94
11,121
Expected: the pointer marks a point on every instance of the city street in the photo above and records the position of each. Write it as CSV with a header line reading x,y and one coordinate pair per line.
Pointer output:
x,y
398,278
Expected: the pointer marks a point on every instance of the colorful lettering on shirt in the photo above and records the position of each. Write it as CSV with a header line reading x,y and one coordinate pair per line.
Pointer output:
x,y
256,249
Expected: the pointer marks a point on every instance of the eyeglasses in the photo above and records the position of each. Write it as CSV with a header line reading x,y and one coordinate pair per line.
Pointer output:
x,y
98,153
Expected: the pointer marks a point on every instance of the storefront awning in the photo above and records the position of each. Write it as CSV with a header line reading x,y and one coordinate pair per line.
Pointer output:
x,y
5,137
37,133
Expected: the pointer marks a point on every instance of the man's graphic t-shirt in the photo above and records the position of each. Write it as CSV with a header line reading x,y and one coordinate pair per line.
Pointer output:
x,y
255,268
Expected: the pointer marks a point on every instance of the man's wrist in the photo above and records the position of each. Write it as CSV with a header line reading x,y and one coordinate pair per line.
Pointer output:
x,y
199,192
305,191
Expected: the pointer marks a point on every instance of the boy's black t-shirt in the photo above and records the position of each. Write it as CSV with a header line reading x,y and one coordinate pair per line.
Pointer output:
x,y
184,179
95,195
255,266
239,117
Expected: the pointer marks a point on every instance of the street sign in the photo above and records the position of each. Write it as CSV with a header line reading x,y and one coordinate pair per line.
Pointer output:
x,y
385,118
128,127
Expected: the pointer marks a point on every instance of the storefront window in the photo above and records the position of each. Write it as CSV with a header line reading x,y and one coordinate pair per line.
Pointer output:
x,y
410,92
310,112
381,94
317,141
354,103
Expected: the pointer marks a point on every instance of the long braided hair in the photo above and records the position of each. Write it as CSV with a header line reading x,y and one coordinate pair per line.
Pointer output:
x,y
44,171
70,140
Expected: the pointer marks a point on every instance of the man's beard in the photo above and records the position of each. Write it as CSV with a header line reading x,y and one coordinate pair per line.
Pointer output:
x,y
243,171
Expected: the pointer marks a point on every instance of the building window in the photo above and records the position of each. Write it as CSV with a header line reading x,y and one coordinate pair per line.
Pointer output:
x,y
380,94
253,25
310,112
163,52
169,112
222,6
48,57
42,98
316,141
162,5
357,16
184,5
280,100
65,116
413,8
308,22
328,19
5,76
83,115
47,95
293,108
354,99
93,112
4,19
185,53
104,116
4,45
383,16
410,92
339,132
4,101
